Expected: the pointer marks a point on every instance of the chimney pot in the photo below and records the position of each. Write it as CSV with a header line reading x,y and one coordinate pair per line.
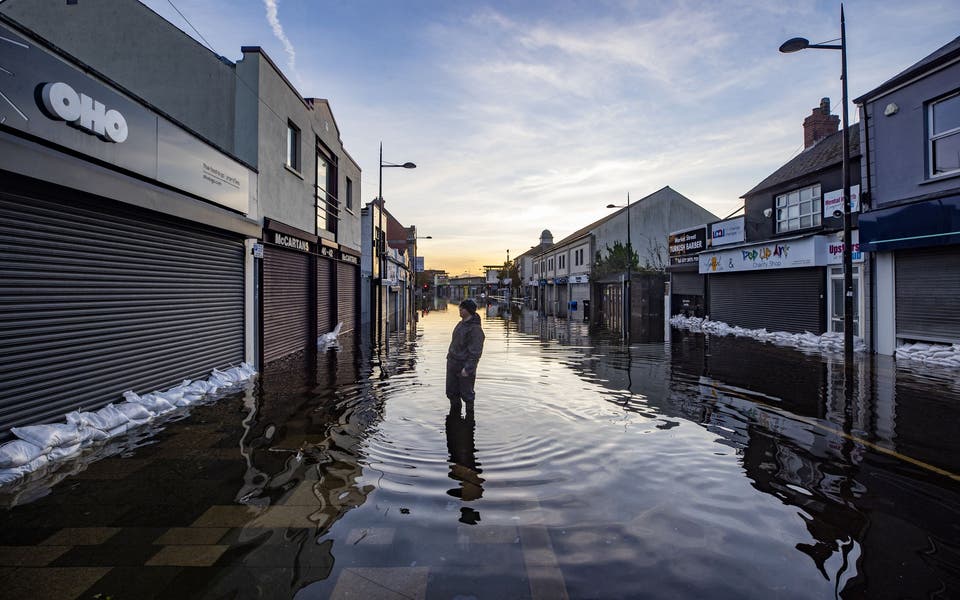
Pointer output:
x,y
819,124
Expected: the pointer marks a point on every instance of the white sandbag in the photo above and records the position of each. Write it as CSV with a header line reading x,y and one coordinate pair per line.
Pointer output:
x,y
135,412
120,429
49,436
64,452
15,473
89,435
106,418
248,370
221,378
18,453
157,404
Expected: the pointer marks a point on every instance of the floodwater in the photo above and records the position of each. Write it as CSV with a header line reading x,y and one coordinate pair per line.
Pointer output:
x,y
701,468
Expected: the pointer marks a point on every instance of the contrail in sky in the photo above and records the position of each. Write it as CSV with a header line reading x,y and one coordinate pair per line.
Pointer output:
x,y
278,32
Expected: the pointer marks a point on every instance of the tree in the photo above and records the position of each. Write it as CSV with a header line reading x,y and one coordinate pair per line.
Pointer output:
x,y
616,260
511,271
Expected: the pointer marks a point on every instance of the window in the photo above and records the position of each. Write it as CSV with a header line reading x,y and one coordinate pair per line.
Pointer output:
x,y
945,136
578,257
293,146
562,261
328,208
799,209
836,297
349,198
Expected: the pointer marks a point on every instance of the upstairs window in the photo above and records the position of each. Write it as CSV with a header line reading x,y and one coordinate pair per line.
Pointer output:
x,y
293,146
349,194
327,206
944,146
799,209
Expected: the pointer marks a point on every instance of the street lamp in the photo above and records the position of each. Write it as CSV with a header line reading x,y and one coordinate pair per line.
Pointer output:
x,y
627,307
381,250
794,45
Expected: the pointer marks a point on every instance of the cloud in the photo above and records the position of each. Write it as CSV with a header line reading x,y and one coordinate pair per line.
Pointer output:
x,y
271,6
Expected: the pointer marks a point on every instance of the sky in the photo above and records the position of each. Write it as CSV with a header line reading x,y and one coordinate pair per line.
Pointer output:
x,y
525,115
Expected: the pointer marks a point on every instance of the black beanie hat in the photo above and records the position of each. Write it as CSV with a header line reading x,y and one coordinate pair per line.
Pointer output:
x,y
470,306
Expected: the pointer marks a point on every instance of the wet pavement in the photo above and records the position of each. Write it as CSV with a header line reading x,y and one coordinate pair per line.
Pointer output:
x,y
706,467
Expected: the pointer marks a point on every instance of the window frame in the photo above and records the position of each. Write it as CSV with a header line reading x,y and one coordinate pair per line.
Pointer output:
x,y
349,195
293,160
933,137
784,217
330,202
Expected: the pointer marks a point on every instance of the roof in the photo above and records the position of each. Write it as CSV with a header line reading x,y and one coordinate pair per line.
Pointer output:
x,y
584,231
942,55
825,153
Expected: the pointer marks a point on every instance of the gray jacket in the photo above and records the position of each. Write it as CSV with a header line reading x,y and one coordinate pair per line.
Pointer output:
x,y
466,345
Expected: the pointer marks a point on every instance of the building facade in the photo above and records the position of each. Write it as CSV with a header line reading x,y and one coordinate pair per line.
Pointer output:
x,y
787,273
912,172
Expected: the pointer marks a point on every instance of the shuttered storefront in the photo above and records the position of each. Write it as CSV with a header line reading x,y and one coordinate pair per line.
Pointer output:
x,y
99,297
325,295
790,300
928,294
286,302
347,290
686,283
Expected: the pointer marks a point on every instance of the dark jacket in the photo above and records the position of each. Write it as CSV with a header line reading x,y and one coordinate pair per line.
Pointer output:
x,y
466,345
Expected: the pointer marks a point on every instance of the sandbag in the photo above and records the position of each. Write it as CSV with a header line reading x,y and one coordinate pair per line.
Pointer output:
x,y
49,436
135,412
18,453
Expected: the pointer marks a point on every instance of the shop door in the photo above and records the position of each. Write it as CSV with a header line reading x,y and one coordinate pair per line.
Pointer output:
x,y
286,302
928,294
100,297
835,294
790,300
347,291
326,295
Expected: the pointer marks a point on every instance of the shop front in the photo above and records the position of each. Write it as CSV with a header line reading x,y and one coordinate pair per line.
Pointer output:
x,y
687,285
126,262
783,285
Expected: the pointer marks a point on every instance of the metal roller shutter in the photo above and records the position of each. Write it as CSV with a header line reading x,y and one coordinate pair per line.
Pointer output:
x,y
347,297
286,302
790,300
928,294
98,297
686,284
325,291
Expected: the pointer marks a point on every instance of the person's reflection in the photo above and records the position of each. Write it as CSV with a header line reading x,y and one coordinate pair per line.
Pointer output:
x,y
464,467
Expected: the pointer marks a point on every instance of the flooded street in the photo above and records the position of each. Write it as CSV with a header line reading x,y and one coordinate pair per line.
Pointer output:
x,y
705,467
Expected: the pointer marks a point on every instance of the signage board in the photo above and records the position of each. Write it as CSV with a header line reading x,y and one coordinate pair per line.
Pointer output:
x,y
730,231
49,98
833,201
418,264
812,251
684,245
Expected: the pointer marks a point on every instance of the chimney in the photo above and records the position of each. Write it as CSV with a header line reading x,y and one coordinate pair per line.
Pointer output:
x,y
819,124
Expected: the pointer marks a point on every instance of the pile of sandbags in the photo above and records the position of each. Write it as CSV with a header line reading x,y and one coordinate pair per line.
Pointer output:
x,y
39,446
930,354
828,342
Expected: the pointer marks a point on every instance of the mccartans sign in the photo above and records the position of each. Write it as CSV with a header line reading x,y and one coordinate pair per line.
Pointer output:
x,y
282,239
684,245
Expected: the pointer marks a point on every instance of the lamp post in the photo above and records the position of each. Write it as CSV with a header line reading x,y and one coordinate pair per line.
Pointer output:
x,y
794,45
382,246
626,295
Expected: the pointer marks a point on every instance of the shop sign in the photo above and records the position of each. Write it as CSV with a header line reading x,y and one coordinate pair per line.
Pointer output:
x,y
730,231
418,264
579,279
560,280
257,250
51,99
349,258
288,241
683,246
787,254
833,201
832,247
328,252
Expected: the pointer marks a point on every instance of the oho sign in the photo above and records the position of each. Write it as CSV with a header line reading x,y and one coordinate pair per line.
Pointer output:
x,y
62,102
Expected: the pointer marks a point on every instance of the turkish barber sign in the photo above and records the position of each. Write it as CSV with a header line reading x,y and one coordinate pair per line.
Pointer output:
x,y
684,245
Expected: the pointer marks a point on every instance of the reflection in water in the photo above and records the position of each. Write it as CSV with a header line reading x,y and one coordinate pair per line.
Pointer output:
x,y
707,467
464,466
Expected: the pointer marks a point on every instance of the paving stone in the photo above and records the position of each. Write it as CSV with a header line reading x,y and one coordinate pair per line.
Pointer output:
x,y
30,556
186,556
381,583
227,516
53,583
80,536
191,536
105,555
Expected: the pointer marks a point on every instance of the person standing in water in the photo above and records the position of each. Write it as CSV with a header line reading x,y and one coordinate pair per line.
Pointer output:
x,y
463,355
